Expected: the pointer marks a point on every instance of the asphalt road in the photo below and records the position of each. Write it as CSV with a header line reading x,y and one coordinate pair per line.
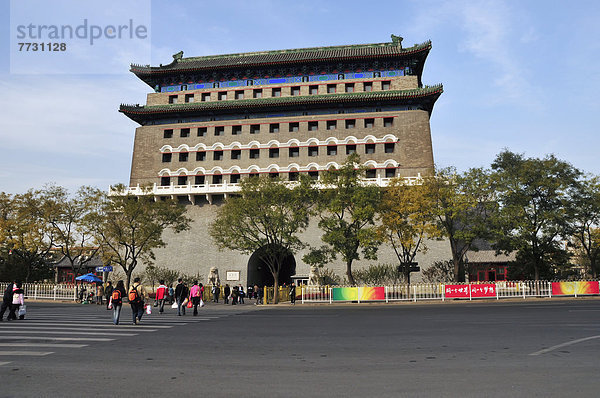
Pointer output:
x,y
539,348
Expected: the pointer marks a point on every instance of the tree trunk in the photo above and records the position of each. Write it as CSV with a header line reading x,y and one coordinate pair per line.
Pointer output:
x,y
275,287
349,273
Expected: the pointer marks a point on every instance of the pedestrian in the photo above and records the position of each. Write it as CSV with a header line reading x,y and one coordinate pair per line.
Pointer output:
x,y
215,293
259,295
226,293
234,295
108,292
17,300
116,300
195,296
171,294
82,294
137,296
180,296
6,300
99,293
241,294
293,294
161,296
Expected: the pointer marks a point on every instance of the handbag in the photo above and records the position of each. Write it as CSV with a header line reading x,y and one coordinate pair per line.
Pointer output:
x,y
22,310
148,309
174,306
201,303
189,304
110,304
156,303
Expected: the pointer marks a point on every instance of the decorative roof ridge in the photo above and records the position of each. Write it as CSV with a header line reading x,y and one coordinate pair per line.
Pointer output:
x,y
423,91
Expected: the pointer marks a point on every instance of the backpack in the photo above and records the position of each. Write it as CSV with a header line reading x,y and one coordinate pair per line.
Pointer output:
x,y
134,296
116,295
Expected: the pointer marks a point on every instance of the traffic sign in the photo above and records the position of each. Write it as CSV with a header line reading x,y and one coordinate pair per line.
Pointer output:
x,y
108,268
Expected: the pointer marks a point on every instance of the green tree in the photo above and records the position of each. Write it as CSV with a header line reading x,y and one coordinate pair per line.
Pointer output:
x,y
534,196
464,206
380,274
128,228
583,220
407,219
347,206
439,272
266,217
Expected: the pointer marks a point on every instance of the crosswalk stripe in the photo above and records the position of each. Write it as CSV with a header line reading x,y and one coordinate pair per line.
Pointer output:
x,y
61,332
101,325
55,338
53,328
26,353
4,363
46,345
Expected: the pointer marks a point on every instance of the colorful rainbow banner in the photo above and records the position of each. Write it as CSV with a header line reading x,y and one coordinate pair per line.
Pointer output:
x,y
573,288
372,293
358,293
344,294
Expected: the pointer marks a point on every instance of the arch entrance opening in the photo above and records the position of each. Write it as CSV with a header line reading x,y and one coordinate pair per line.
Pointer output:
x,y
259,273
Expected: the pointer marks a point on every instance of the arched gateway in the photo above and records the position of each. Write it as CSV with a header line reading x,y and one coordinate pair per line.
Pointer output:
x,y
259,273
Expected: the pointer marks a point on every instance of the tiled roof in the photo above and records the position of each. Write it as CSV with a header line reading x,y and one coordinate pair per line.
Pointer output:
x,y
282,57
275,102
489,256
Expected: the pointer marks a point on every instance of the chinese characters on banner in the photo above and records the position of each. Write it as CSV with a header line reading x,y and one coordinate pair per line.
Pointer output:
x,y
470,291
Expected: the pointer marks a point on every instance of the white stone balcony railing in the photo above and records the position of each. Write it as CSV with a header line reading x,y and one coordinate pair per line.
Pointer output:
x,y
228,188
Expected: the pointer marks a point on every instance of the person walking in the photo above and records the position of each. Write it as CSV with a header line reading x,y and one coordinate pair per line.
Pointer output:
x,y
241,294
234,295
226,293
99,293
215,293
6,300
161,295
181,293
259,295
171,294
195,296
116,300
137,296
17,300
293,293
108,292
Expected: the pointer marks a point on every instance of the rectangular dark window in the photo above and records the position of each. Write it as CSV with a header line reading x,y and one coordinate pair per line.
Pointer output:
x,y
172,99
199,180
205,97
331,150
202,131
350,149
313,151
331,88
184,133
276,92
349,87
236,154
294,127
388,121
257,93
254,153
165,181
313,126
218,155
219,130
386,84
166,157
222,95
254,128
369,123
294,152
253,175
313,90
350,123
168,133
234,178
189,98
295,90
389,147
293,176
239,94
273,175
313,174
183,156
331,124
371,173
368,86
200,156
390,173
236,130
217,179
370,149
273,152
182,180
274,128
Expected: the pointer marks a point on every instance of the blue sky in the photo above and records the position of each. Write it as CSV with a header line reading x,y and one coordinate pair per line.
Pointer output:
x,y
521,75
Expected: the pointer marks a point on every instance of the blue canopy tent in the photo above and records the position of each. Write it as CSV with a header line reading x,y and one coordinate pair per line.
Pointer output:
x,y
88,278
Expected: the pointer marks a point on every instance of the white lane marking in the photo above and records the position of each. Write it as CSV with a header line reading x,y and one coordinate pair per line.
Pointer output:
x,y
25,353
584,310
4,363
568,343
60,332
55,338
99,325
53,328
47,345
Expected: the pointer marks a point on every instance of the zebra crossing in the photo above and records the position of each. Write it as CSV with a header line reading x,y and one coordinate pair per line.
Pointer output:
x,y
45,331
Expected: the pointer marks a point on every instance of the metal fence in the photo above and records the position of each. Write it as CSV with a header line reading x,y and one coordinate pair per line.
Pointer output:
x,y
46,291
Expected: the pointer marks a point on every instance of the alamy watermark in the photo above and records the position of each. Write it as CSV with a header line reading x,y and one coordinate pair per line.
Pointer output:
x,y
78,37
